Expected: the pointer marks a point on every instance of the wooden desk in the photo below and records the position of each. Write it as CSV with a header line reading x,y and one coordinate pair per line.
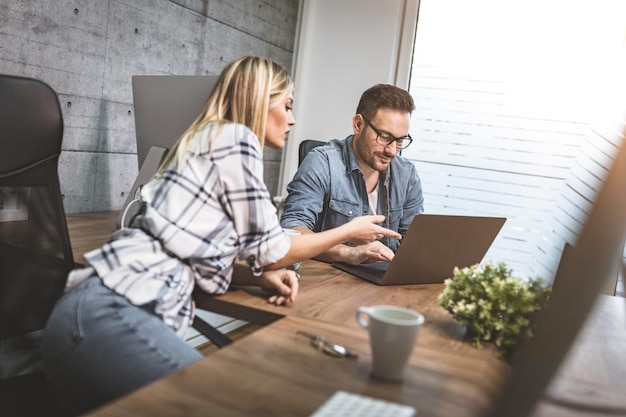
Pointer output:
x,y
90,231
447,376
276,372
331,295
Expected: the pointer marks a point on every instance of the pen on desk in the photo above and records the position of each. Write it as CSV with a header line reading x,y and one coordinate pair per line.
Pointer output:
x,y
329,348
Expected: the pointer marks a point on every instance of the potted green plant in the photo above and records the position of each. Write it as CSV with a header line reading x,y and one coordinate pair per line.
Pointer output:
x,y
493,305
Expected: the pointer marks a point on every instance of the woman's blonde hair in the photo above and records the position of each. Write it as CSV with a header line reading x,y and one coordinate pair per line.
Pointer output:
x,y
244,93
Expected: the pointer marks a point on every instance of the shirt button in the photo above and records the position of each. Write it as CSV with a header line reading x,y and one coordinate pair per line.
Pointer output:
x,y
350,212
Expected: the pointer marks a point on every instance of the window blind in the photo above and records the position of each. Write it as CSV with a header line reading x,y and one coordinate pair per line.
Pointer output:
x,y
504,123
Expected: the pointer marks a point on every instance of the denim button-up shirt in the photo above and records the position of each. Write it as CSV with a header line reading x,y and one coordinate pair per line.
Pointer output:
x,y
329,190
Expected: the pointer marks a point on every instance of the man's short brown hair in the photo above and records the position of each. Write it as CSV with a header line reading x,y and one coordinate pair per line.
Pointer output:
x,y
384,96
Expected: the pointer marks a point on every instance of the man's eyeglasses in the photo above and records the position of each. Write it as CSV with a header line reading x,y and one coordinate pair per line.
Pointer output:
x,y
384,138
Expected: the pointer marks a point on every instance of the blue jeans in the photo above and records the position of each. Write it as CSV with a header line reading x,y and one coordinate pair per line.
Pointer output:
x,y
98,346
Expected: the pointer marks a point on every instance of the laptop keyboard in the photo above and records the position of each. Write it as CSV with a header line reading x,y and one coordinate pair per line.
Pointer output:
x,y
371,272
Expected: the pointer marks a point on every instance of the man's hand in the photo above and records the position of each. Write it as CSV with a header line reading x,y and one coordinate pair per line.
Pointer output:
x,y
368,253
283,283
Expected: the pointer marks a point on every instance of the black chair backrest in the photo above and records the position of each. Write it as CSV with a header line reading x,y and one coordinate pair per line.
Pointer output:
x,y
35,251
305,146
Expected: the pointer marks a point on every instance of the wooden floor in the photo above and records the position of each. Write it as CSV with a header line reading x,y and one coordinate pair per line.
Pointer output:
x,y
239,333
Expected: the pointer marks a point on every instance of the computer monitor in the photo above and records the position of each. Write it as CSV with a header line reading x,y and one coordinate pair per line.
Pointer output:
x,y
165,106
581,276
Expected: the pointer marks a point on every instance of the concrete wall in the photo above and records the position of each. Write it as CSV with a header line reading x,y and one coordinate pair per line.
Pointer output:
x,y
87,50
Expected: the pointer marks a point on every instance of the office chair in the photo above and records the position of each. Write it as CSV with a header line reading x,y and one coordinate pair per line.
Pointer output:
x,y
35,251
305,146
303,149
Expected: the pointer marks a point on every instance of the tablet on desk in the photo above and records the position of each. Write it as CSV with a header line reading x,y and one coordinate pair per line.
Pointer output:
x,y
432,247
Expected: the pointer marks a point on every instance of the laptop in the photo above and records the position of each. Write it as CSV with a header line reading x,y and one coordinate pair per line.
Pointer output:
x,y
431,248
164,106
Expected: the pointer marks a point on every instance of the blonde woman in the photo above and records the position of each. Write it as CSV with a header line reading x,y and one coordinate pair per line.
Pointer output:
x,y
122,321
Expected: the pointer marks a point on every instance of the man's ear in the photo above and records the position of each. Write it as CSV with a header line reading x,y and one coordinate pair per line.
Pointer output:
x,y
358,124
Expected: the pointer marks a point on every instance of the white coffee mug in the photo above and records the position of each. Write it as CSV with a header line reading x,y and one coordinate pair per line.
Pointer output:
x,y
393,333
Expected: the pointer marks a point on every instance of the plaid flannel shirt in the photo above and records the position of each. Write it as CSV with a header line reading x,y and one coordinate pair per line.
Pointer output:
x,y
193,224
